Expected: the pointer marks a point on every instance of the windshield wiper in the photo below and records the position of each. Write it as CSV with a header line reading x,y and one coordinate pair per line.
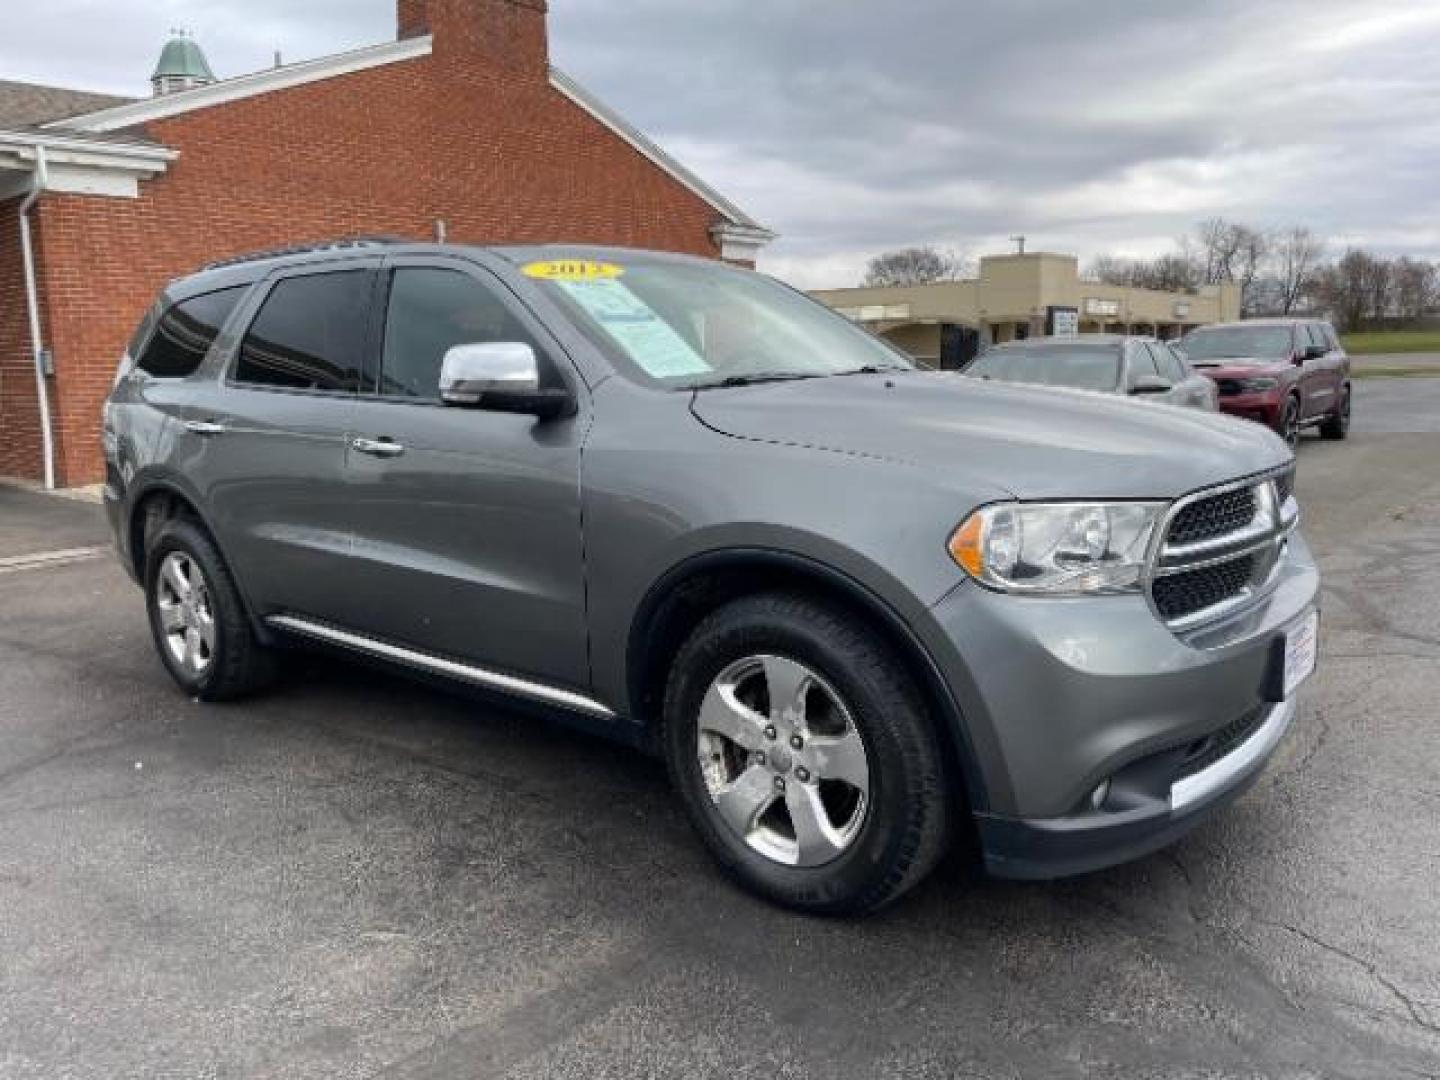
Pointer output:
x,y
874,369
756,378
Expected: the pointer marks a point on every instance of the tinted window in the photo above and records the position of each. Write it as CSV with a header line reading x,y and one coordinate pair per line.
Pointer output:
x,y
1330,339
1094,367
1317,336
1241,343
430,311
310,333
186,332
1170,366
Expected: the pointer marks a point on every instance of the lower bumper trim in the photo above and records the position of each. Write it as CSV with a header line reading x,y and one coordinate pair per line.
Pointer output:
x,y
1043,848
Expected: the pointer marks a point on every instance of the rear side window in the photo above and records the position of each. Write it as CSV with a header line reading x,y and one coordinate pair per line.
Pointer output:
x,y
185,333
430,311
310,334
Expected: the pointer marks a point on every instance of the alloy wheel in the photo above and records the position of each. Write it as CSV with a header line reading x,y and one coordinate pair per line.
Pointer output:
x,y
187,618
783,761
1291,424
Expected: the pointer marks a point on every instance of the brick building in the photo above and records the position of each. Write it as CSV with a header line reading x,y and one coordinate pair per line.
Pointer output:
x,y
459,128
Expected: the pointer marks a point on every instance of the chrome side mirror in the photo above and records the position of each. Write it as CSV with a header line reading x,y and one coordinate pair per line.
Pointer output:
x,y
501,376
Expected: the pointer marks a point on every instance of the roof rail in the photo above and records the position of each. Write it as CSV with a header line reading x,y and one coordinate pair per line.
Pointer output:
x,y
348,243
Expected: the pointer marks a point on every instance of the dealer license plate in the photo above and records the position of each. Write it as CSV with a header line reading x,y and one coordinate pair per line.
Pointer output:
x,y
1301,648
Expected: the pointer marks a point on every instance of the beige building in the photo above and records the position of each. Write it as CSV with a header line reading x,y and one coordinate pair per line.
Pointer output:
x,y
1014,296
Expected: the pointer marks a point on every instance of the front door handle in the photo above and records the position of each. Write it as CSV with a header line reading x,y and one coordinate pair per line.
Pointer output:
x,y
204,427
381,448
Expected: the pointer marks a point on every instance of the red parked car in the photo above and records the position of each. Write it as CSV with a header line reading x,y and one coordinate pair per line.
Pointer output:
x,y
1289,374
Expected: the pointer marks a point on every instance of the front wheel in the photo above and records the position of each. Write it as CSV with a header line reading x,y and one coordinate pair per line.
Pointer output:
x,y
1289,429
1337,424
804,755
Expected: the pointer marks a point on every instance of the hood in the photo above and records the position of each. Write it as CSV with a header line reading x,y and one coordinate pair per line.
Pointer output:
x,y
1234,367
1033,442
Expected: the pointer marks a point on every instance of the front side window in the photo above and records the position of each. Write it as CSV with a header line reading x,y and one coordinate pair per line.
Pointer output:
x,y
1170,366
310,334
185,333
1142,362
430,311
1084,367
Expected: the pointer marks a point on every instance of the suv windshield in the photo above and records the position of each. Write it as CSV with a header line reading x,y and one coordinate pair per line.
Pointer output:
x,y
1085,367
692,325
1255,343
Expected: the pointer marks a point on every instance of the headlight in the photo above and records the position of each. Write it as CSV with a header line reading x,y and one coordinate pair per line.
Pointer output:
x,y
1057,547
1258,384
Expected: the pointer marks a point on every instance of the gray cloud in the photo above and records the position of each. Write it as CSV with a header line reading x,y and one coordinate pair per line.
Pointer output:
x,y
851,125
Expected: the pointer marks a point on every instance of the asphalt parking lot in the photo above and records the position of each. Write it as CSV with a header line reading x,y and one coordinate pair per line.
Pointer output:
x,y
356,876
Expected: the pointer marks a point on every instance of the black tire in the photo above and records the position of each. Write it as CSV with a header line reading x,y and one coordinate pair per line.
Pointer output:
x,y
1289,428
236,664
904,829
1337,424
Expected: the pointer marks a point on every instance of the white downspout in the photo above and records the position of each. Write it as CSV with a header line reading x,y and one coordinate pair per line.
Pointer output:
x,y
32,304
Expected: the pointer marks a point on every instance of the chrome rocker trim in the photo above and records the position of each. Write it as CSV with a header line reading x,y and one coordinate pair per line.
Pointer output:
x,y
491,680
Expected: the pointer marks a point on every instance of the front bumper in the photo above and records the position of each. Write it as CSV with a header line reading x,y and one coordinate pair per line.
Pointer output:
x,y
1263,408
1062,696
1079,843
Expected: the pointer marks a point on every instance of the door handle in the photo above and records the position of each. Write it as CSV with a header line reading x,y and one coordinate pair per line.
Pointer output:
x,y
381,448
204,427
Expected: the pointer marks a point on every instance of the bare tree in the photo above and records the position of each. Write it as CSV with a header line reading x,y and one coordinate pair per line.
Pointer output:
x,y
1252,250
915,266
1173,272
1298,252
1414,286
1219,242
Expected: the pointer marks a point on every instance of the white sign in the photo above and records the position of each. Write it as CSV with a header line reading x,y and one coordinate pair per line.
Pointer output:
x,y
1182,309
1094,305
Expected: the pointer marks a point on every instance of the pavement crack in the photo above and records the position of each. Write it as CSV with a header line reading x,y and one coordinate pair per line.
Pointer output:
x,y
1410,1005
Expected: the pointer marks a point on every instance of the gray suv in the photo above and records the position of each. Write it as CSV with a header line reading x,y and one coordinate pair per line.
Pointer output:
x,y
864,612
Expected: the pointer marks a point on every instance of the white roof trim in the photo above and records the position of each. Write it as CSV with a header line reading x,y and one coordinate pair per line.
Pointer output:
x,y
637,139
245,86
120,154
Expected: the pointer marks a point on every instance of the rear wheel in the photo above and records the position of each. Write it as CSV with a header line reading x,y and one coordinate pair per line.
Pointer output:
x,y
804,756
197,618
1337,424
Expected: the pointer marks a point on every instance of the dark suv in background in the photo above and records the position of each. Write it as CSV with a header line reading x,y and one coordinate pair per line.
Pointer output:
x,y
1289,374
860,610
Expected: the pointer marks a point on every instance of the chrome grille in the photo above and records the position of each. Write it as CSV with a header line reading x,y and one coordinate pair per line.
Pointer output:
x,y
1220,548
1190,591
1212,516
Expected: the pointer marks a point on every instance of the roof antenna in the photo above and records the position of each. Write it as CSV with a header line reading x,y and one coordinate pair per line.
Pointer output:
x,y
1019,242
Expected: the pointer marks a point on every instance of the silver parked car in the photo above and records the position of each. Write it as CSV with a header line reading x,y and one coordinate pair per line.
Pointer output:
x,y
1107,364
862,611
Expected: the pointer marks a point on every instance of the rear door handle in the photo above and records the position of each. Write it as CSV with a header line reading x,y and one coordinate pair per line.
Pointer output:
x,y
381,448
204,427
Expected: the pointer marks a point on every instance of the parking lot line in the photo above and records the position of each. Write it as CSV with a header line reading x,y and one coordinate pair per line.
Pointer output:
x,y
45,559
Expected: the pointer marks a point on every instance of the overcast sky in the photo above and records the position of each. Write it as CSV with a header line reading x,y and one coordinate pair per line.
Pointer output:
x,y
852,126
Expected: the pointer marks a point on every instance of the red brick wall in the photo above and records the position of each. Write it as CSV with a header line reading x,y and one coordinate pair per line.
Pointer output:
x,y
496,152
20,453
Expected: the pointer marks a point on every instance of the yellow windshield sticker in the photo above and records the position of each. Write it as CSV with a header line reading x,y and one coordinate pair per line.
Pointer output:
x,y
573,270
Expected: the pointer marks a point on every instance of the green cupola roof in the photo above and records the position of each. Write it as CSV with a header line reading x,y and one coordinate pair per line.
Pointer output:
x,y
182,63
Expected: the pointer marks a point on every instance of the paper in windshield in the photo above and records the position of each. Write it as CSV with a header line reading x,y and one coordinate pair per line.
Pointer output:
x,y
648,339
